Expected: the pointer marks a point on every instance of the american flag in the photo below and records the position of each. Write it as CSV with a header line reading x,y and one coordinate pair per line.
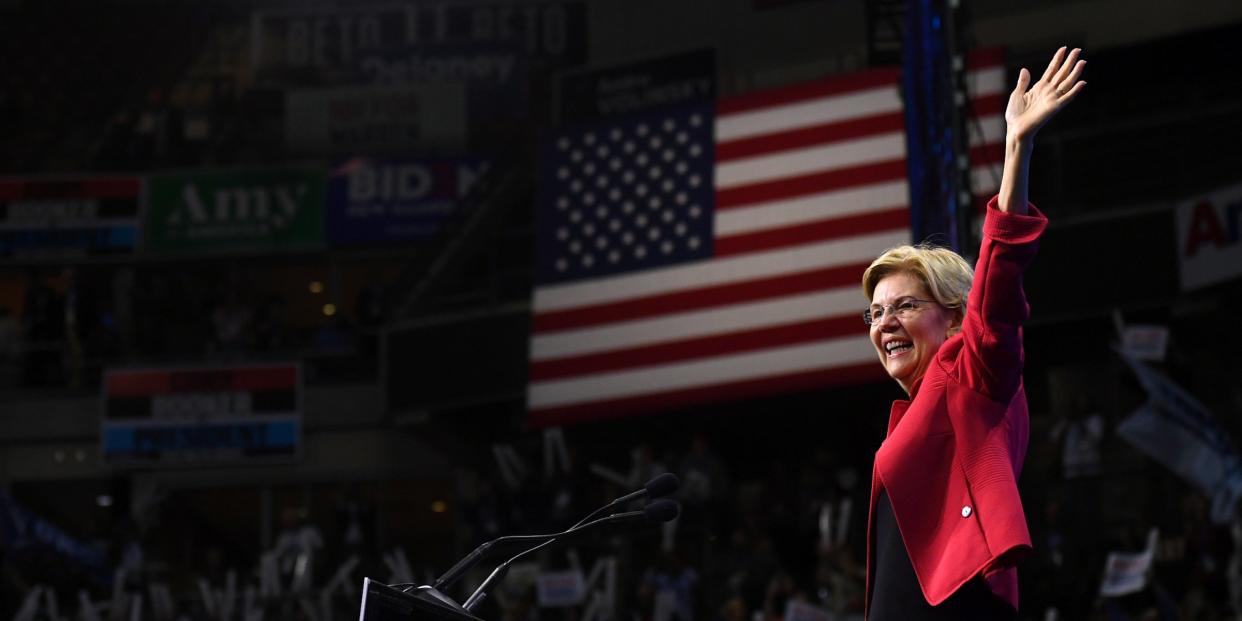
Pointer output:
x,y
713,252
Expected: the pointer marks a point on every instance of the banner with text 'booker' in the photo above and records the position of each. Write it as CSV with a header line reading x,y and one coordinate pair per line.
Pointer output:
x,y
62,219
202,415
234,211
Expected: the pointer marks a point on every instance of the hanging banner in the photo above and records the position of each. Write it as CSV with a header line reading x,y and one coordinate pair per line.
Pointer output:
x,y
327,121
613,91
234,211
322,45
202,415
495,79
70,218
1209,238
394,200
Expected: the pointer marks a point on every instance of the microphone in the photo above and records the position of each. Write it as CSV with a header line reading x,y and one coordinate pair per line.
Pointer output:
x,y
662,510
659,485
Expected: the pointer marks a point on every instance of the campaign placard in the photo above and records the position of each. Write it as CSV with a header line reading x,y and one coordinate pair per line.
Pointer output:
x,y
68,218
1209,237
234,211
375,201
202,415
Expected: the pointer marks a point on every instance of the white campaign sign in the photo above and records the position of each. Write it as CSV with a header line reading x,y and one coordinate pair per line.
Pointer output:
x,y
1209,227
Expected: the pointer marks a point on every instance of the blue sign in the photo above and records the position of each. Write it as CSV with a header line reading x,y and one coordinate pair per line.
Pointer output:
x,y
193,441
375,201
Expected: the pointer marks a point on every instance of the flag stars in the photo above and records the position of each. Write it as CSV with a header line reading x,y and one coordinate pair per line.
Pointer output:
x,y
641,159
655,202
666,215
627,207
615,134
696,120
575,186
655,142
627,238
562,173
641,130
640,252
694,181
628,147
601,212
693,243
575,246
562,233
695,211
614,225
654,172
695,150
682,137
666,247
588,229
601,242
588,138
668,155
680,229
680,198
575,216
669,125
614,195
588,199
614,256
667,186
575,156
602,151
562,144
614,164
653,233
640,220
601,181
588,260
641,190
562,265
588,168
562,202
682,167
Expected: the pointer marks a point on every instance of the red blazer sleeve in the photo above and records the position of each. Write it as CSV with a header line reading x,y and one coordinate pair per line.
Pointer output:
x,y
992,328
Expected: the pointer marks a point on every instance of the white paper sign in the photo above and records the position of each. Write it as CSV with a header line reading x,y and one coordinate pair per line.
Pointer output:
x,y
1126,573
1145,342
558,589
1208,229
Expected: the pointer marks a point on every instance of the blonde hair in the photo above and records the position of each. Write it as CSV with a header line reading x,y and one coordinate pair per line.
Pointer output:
x,y
942,272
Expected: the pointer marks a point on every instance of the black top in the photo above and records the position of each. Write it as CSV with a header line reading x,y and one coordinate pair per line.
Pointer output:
x,y
895,591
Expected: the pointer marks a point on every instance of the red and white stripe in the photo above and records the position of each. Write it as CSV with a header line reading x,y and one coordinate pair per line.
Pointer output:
x,y
810,188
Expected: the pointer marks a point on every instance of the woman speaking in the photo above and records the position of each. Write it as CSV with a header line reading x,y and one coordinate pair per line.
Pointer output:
x,y
946,524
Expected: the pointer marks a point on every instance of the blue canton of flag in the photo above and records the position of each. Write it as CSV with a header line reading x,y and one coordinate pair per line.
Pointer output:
x,y
628,194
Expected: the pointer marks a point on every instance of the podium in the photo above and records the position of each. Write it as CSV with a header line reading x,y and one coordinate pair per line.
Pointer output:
x,y
381,602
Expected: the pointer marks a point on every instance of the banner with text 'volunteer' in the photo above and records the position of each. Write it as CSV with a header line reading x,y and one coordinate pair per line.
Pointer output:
x,y
234,211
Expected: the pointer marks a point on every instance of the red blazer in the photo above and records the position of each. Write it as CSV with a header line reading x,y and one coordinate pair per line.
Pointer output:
x,y
953,453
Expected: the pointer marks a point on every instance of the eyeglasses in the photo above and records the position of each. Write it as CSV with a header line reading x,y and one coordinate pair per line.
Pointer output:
x,y
901,310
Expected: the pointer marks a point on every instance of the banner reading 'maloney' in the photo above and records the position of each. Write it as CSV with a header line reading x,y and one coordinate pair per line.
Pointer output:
x,y
234,211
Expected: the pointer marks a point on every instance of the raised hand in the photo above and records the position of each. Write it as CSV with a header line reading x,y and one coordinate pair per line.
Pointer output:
x,y
1028,110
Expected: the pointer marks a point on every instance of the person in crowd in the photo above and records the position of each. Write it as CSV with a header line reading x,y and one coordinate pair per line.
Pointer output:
x,y
946,523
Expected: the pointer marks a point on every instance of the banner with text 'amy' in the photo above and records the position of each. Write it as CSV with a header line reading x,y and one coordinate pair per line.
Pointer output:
x,y
234,211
